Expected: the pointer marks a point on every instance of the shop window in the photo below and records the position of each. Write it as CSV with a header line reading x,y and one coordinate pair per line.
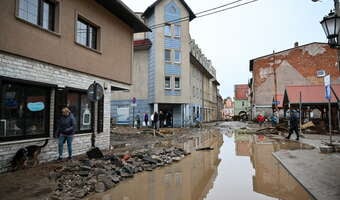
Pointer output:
x,y
24,111
81,107
38,12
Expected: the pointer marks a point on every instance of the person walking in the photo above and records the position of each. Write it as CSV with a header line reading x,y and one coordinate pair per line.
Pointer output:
x,y
138,121
146,119
161,119
293,122
65,131
156,121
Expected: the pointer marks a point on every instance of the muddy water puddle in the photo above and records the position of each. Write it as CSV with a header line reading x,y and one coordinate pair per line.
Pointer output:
x,y
240,167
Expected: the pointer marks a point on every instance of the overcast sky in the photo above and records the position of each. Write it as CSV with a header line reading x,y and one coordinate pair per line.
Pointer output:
x,y
233,37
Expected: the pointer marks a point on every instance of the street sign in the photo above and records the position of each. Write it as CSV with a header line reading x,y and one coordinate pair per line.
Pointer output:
x,y
95,92
327,81
276,102
133,102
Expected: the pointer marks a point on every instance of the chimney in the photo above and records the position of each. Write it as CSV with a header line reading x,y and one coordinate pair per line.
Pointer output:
x,y
296,44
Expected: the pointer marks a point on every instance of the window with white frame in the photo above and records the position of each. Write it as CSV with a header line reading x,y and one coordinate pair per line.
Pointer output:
x,y
167,82
177,31
167,30
177,56
167,55
177,83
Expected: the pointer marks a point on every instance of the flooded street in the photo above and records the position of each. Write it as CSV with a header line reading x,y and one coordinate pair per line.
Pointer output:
x,y
240,166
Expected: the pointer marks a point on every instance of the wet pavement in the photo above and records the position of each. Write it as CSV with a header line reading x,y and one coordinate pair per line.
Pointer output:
x,y
240,166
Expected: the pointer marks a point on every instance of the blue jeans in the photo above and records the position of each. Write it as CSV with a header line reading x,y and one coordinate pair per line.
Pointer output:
x,y
62,139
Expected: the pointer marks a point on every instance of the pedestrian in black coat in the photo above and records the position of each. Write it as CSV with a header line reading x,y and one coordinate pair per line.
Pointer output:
x,y
293,121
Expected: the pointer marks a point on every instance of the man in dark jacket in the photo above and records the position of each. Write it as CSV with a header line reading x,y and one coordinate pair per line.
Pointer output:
x,y
156,121
65,131
293,121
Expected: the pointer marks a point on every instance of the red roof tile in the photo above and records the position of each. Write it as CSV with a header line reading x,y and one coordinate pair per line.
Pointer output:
x,y
241,92
310,93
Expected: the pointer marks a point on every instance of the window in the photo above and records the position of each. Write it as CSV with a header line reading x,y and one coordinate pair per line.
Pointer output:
x,y
167,82
177,56
38,12
86,34
167,30
167,55
80,106
24,111
177,83
177,31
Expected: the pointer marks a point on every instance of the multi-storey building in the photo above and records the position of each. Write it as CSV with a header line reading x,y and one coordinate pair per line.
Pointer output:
x,y
301,65
164,77
228,109
241,101
204,93
50,53
161,66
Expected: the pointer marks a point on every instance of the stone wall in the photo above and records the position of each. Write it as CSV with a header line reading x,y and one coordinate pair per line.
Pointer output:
x,y
30,70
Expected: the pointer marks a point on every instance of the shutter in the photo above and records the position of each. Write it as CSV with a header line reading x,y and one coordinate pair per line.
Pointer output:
x,y
100,117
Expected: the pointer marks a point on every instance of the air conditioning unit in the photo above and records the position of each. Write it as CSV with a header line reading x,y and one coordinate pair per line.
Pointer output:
x,y
2,127
320,73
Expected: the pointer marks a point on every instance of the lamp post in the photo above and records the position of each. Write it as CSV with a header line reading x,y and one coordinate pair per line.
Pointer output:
x,y
331,26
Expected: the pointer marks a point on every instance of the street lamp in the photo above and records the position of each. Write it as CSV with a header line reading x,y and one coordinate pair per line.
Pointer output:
x,y
331,26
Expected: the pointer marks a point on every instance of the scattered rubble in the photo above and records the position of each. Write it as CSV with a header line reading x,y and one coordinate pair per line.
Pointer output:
x,y
80,178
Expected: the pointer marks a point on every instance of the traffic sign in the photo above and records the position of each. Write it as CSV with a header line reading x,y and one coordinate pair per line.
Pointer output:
x,y
327,80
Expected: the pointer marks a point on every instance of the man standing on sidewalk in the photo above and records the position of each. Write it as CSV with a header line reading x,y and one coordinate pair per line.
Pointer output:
x,y
293,120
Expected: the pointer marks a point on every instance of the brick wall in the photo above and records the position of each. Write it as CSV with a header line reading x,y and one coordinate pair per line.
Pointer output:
x,y
296,66
31,70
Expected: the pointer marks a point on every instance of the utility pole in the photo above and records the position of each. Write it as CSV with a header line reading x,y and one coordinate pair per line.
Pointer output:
x,y
275,83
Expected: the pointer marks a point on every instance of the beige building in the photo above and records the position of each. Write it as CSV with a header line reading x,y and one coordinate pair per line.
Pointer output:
x,y
50,53
161,67
204,93
169,75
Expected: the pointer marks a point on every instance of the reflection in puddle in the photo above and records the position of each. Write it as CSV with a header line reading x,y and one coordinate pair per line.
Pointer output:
x,y
189,179
270,177
239,167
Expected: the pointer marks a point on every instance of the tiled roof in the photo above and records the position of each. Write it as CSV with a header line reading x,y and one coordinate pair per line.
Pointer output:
x,y
310,93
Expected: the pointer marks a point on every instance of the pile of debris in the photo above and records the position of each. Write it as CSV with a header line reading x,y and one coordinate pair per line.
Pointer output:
x,y
77,179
